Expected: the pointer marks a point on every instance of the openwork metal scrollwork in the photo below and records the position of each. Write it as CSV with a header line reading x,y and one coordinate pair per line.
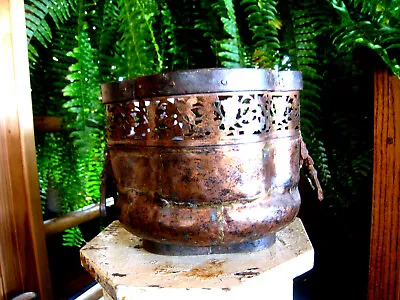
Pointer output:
x,y
204,116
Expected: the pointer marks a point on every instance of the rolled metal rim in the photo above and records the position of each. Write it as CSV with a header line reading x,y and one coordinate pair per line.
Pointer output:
x,y
201,81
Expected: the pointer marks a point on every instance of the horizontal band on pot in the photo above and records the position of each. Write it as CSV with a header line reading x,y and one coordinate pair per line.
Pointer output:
x,y
201,81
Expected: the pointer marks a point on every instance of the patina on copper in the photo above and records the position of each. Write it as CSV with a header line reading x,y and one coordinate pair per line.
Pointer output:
x,y
206,160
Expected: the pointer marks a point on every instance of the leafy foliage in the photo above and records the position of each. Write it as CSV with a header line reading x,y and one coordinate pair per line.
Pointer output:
x,y
73,237
103,29
373,24
195,48
87,122
141,51
84,91
232,53
307,29
263,21
207,21
75,45
170,50
37,25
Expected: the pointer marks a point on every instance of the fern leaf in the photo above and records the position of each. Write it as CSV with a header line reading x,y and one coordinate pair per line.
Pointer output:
x,y
36,12
207,21
373,33
72,237
306,16
142,54
263,22
37,27
172,52
106,35
88,116
235,56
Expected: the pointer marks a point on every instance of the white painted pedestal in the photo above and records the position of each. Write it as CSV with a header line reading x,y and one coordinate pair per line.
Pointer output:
x,y
126,271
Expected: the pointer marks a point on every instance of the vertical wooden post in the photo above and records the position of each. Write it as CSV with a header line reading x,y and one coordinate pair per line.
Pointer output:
x,y
23,255
384,267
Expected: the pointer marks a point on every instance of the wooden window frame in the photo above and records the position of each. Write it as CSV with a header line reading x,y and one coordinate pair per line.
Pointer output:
x,y
23,254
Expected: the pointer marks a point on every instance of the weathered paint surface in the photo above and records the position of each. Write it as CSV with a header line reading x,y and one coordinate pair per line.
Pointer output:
x,y
117,261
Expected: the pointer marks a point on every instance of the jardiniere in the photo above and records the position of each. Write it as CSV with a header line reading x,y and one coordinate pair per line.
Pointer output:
x,y
206,160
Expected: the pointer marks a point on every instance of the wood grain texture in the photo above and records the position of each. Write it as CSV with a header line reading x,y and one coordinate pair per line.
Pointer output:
x,y
75,218
47,123
23,255
384,268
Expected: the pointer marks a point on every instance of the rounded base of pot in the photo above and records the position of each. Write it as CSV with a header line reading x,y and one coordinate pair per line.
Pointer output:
x,y
181,250
206,226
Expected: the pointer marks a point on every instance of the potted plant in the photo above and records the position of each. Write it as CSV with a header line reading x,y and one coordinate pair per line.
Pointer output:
x,y
74,46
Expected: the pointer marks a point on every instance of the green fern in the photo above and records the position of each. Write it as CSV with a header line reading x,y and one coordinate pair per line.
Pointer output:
x,y
172,53
232,53
43,172
56,164
307,20
105,32
377,29
141,51
185,22
263,22
56,157
206,19
37,26
73,237
84,90
385,11
87,123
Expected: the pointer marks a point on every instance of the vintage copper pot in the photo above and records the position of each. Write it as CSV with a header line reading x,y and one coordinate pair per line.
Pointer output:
x,y
207,160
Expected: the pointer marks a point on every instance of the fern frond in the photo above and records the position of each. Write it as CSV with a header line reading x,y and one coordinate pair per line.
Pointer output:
x,y
173,54
306,63
57,159
87,114
263,22
193,31
307,26
106,34
383,11
371,31
43,172
86,120
72,237
207,21
37,26
232,53
142,53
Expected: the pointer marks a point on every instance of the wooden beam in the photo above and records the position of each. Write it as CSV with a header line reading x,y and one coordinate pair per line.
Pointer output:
x,y
85,214
384,266
23,254
47,123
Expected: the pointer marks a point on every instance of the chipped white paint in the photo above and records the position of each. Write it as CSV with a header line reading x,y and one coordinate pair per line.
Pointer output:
x,y
126,271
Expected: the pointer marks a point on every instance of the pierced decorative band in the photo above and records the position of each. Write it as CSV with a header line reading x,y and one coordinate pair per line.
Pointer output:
x,y
205,116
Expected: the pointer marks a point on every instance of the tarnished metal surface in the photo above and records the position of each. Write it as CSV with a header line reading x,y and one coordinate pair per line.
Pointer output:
x,y
170,249
207,169
201,81
204,119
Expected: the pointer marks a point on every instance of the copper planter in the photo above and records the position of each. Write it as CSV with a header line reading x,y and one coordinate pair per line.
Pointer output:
x,y
207,160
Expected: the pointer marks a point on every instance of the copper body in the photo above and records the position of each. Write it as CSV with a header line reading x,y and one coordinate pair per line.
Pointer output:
x,y
205,165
